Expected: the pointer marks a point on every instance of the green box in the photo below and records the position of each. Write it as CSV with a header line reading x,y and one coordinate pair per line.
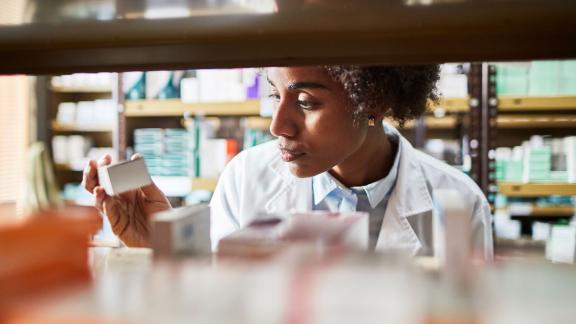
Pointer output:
x,y
544,78
568,77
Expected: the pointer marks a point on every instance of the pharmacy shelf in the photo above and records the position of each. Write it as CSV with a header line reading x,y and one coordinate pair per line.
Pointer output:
x,y
514,104
175,107
65,89
545,211
449,122
58,127
524,103
431,122
512,189
532,121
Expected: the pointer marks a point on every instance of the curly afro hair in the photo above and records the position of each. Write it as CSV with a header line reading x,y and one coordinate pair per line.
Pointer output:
x,y
402,91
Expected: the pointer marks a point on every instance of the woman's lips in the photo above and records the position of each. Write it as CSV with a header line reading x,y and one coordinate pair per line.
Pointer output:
x,y
290,155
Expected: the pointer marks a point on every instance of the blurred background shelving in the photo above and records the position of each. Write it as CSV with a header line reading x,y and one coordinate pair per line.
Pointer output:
x,y
180,120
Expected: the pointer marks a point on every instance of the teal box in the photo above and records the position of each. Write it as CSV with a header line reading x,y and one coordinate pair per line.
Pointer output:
x,y
512,80
544,78
568,77
559,176
514,170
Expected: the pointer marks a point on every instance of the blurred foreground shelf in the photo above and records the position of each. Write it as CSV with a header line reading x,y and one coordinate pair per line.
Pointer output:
x,y
120,38
512,189
175,107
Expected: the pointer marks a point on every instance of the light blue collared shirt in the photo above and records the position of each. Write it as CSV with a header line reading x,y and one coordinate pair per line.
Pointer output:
x,y
329,194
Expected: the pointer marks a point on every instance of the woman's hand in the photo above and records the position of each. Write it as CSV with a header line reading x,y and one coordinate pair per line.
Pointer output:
x,y
129,213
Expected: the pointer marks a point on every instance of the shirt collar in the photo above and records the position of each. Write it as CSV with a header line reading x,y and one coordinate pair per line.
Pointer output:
x,y
324,183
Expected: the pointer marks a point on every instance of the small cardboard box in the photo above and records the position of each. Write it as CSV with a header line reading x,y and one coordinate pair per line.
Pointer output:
x,y
270,235
124,176
180,231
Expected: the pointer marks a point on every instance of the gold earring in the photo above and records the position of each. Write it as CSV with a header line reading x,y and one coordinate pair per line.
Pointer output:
x,y
371,121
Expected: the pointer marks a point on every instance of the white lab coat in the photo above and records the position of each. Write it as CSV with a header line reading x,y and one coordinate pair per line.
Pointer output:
x,y
257,182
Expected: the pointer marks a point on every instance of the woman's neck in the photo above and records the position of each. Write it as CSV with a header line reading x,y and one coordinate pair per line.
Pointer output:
x,y
370,163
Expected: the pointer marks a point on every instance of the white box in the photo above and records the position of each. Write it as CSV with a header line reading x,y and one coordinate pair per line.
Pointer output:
x,y
66,113
451,232
124,176
85,113
60,149
213,157
561,245
184,230
189,90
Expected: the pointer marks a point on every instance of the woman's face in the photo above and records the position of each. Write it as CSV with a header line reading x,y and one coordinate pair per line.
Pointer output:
x,y
312,121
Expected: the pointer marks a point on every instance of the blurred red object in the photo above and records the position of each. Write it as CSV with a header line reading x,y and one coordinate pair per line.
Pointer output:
x,y
48,249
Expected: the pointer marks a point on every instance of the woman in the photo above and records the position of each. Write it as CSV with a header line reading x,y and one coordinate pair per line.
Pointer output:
x,y
332,153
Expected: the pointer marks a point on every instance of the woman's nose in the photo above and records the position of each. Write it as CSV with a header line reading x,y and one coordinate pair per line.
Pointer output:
x,y
284,121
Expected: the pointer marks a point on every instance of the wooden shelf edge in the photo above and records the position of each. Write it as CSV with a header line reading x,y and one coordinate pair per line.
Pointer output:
x,y
62,89
452,104
536,103
204,184
531,121
174,107
58,127
512,189
548,211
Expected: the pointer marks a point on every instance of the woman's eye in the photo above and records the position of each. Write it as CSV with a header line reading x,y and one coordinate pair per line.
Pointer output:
x,y
274,96
304,104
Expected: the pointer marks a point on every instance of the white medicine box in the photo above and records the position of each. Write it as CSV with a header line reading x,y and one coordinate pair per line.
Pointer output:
x,y
124,176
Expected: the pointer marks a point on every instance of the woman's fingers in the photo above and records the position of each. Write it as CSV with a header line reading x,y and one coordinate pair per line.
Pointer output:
x,y
100,196
135,156
90,176
105,160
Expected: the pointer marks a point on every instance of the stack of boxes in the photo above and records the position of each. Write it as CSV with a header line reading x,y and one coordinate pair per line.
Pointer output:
x,y
165,151
148,142
509,164
537,164
538,78
570,145
538,160
176,152
512,79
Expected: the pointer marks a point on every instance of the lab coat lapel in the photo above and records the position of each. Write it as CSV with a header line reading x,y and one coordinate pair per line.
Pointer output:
x,y
409,198
295,193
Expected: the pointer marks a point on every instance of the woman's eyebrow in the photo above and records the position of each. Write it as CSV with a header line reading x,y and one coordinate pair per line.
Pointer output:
x,y
270,82
301,85
306,85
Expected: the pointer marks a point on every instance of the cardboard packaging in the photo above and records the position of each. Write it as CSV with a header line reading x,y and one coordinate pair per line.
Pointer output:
x,y
124,176
181,231
270,235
